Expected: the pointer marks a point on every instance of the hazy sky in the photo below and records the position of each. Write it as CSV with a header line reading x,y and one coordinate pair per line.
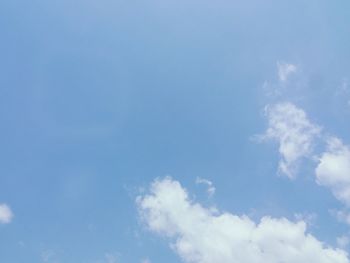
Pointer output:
x,y
174,131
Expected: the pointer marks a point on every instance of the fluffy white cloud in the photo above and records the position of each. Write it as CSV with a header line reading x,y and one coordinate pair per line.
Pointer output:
x,y
285,70
291,127
200,235
6,214
333,170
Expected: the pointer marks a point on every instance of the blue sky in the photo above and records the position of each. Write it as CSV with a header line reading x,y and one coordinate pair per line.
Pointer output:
x,y
98,99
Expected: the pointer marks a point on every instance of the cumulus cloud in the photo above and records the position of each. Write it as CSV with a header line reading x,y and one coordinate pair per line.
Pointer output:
x,y
211,188
6,214
291,128
199,235
285,70
333,170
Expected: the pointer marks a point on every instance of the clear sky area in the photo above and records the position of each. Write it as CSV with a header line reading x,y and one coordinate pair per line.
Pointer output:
x,y
166,131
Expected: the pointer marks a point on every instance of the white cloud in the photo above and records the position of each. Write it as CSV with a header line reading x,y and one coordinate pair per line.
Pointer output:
x,y
211,188
291,127
285,70
6,214
333,170
200,236
296,135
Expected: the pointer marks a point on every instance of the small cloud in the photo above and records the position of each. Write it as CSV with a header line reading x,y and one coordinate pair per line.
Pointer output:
x,y
295,133
6,214
211,188
308,218
277,89
48,256
343,241
343,92
146,260
343,88
112,257
271,90
341,215
285,70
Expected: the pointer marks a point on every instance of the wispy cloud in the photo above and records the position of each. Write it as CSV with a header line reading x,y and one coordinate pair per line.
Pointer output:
x,y
297,136
295,133
200,236
343,92
48,256
285,70
111,257
211,188
6,214
273,89
343,241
